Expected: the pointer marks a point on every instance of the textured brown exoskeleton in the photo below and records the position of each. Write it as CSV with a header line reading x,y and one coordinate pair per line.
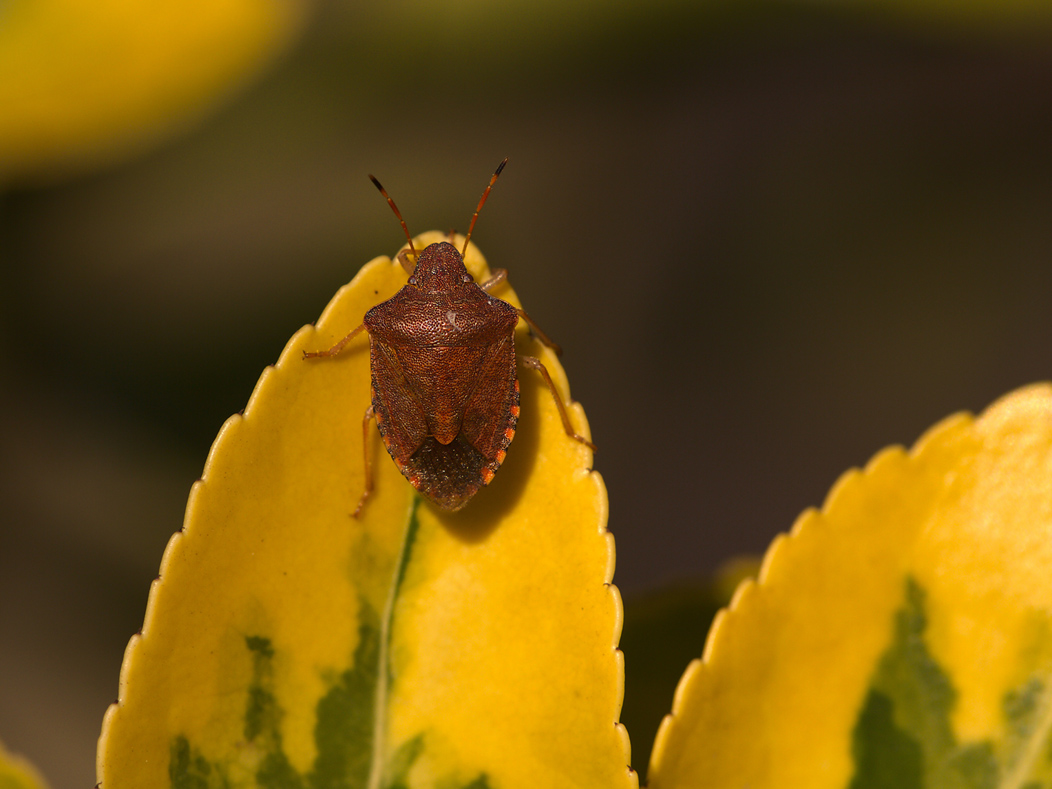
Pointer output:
x,y
445,393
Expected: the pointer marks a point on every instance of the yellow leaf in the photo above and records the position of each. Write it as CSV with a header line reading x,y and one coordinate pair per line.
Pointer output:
x,y
84,81
287,644
900,637
663,630
17,773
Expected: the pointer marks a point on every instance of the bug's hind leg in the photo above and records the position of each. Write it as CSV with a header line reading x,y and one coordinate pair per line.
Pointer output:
x,y
535,364
369,415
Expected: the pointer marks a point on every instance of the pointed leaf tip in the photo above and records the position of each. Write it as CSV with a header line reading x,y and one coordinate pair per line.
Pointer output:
x,y
287,644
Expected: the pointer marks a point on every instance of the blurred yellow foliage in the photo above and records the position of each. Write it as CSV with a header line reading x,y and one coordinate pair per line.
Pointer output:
x,y
84,83
16,773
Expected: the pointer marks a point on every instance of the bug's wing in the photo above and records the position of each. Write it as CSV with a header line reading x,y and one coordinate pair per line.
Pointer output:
x,y
492,411
450,474
399,415
442,379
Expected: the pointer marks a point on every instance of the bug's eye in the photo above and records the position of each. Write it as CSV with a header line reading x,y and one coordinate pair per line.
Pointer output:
x,y
412,280
467,278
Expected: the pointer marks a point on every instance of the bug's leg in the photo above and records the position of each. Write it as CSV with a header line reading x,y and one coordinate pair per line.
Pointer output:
x,y
540,335
498,276
369,414
534,363
407,264
501,275
335,349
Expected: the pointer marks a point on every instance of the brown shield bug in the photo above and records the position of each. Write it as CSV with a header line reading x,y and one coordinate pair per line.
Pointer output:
x,y
445,392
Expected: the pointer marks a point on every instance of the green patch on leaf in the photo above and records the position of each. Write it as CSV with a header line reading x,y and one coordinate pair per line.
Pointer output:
x,y
346,725
263,720
262,712
402,762
188,769
885,755
1026,751
343,733
904,735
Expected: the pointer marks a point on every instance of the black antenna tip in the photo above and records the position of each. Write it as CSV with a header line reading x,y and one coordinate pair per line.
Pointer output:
x,y
501,166
375,182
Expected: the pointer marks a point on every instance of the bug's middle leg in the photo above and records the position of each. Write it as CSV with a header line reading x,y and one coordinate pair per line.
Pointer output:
x,y
335,349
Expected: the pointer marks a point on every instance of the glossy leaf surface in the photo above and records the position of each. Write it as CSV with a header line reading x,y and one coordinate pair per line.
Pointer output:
x,y
901,637
287,644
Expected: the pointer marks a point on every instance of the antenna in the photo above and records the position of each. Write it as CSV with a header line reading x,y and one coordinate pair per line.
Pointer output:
x,y
485,194
394,208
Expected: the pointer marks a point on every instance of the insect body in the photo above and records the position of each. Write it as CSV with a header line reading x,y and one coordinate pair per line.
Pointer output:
x,y
445,393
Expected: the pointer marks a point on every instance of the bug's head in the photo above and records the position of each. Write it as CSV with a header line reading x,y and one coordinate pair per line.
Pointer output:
x,y
439,268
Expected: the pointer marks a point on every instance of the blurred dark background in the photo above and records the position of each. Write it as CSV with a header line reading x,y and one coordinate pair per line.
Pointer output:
x,y
772,239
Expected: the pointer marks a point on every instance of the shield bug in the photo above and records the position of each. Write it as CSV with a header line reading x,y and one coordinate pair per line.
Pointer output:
x,y
445,391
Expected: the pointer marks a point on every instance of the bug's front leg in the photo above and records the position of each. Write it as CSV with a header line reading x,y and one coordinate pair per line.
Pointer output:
x,y
535,364
540,335
501,275
409,266
498,276
335,349
369,415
